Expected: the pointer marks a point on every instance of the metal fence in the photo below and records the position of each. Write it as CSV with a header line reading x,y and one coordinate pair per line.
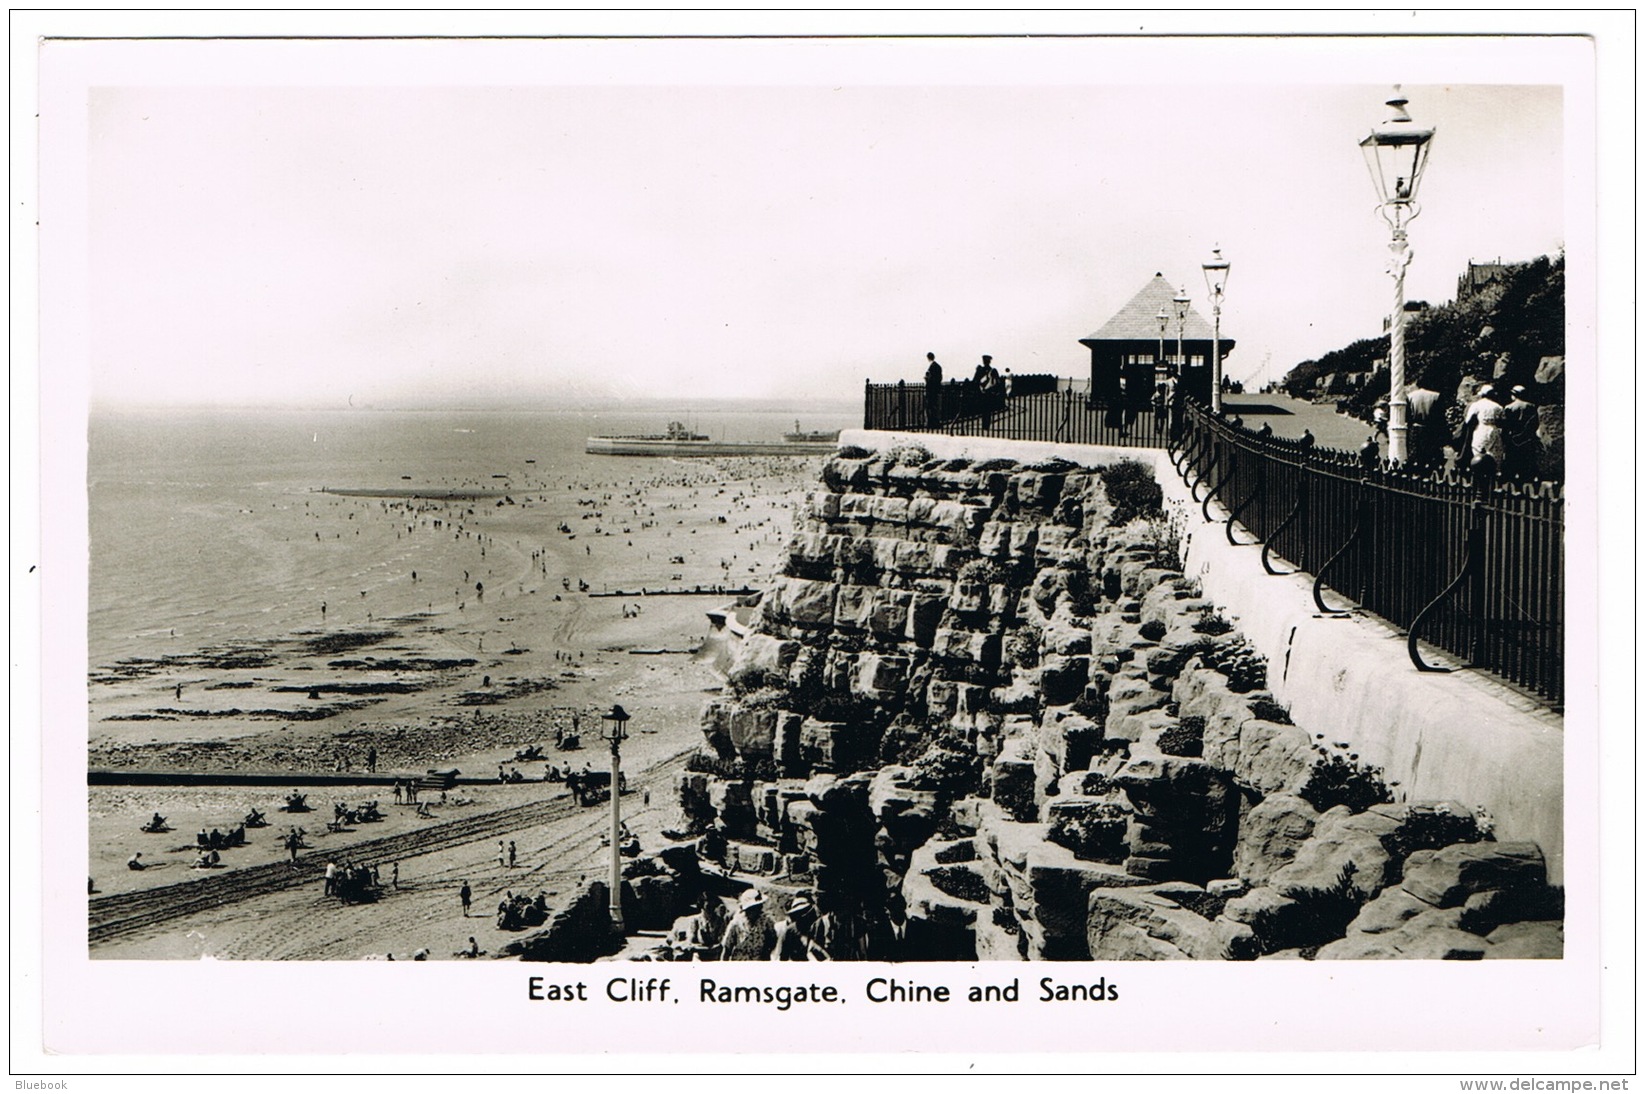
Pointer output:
x,y
1478,572
1063,414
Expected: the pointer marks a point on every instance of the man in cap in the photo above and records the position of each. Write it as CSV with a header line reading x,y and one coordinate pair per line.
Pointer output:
x,y
750,936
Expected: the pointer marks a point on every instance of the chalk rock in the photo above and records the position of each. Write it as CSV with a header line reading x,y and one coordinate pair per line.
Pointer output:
x,y
835,746
878,677
1273,758
1339,867
1447,877
1270,834
714,726
806,603
1277,922
763,654
1431,935
907,813
924,613
753,732
1484,912
1063,679
1013,779
1540,939
1151,924
1390,911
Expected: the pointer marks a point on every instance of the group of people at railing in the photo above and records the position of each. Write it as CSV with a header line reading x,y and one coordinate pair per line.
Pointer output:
x,y
983,395
1490,440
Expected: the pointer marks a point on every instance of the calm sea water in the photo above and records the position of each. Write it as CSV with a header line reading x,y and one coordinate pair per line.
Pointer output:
x,y
208,527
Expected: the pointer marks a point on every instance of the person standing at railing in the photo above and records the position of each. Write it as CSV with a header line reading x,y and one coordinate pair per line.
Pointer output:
x,y
933,391
1425,436
1482,436
1522,449
988,390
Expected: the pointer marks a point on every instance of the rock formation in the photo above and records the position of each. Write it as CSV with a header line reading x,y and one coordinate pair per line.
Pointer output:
x,y
984,715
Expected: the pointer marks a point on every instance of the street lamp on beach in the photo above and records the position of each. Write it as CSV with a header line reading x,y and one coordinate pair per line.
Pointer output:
x,y
1396,153
615,730
1216,280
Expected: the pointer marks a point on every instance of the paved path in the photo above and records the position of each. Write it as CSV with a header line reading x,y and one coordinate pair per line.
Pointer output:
x,y
1289,417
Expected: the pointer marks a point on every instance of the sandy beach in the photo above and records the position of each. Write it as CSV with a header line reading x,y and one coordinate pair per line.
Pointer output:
x,y
487,620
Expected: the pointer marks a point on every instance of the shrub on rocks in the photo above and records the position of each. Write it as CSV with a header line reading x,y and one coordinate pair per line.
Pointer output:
x,y
1094,829
1132,491
1335,779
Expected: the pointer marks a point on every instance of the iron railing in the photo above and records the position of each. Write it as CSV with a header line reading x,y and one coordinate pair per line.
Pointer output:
x,y
1063,414
1478,572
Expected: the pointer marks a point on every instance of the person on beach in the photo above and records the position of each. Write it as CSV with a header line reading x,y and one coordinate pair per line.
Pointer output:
x,y
466,895
502,854
135,862
511,854
331,879
371,758
395,876
399,792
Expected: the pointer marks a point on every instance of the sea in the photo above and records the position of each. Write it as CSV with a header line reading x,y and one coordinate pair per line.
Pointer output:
x,y
212,527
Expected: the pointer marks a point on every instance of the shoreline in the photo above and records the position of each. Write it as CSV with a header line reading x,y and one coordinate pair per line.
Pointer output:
x,y
201,732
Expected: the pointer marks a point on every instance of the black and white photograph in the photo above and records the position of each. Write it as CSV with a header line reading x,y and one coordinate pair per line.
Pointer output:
x,y
822,538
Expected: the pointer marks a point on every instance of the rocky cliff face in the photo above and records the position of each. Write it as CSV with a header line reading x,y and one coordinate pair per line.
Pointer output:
x,y
984,715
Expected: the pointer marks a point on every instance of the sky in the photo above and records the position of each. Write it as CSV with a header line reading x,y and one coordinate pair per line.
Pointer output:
x,y
336,224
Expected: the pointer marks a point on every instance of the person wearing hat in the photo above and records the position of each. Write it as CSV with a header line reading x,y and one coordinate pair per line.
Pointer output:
x,y
1482,436
797,935
1522,449
750,936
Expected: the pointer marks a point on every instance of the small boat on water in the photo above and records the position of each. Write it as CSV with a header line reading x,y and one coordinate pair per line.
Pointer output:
x,y
680,441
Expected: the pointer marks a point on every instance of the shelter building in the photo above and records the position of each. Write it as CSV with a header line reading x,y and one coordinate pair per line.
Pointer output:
x,y
1126,358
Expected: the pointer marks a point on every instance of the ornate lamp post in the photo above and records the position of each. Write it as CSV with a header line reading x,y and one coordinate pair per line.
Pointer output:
x,y
1179,304
1396,153
1163,368
615,730
1216,280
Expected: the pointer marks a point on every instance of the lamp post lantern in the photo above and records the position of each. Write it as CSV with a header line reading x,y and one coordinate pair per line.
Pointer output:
x,y
1396,153
1216,280
615,730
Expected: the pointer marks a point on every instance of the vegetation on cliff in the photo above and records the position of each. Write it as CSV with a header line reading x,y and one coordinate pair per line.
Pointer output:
x,y
1500,332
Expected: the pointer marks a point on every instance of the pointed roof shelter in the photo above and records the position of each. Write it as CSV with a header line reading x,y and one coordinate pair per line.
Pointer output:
x,y
1138,321
1126,351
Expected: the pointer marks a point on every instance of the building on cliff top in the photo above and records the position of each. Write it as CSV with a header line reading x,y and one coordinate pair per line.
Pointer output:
x,y
1126,351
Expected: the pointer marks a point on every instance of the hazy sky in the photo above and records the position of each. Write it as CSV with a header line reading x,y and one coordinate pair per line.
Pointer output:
x,y
318,223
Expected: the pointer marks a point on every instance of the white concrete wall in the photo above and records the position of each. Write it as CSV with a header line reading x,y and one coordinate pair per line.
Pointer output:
x,y
1456,736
